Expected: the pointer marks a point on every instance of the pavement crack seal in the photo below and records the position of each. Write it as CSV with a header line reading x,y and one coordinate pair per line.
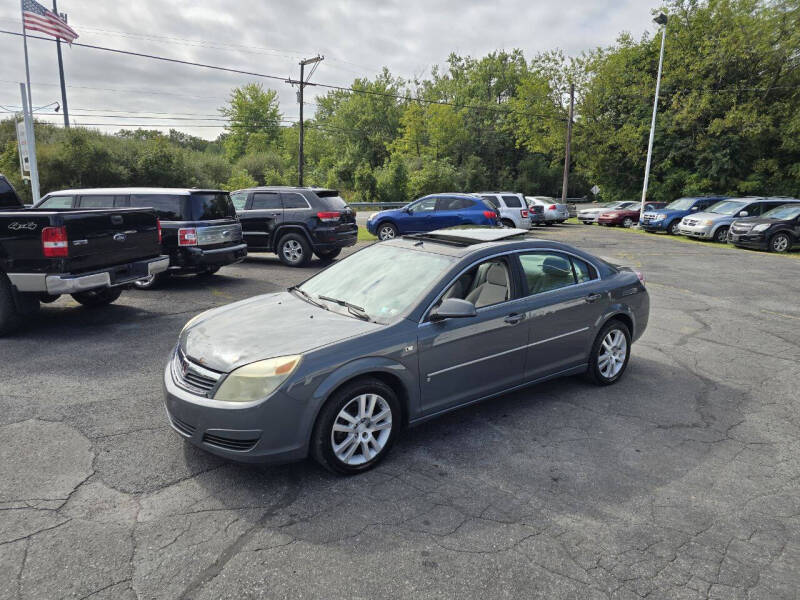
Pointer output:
x,y
209,573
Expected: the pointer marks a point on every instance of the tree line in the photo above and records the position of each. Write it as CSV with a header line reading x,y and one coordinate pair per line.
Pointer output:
x,y
728,123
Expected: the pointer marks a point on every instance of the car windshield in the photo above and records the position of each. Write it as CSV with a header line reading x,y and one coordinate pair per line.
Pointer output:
x,y
727,207
211,206
681,204
787,211
383,280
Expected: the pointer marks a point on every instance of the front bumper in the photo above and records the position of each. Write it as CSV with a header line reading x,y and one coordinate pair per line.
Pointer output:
x,y
270,431
193,258
66,283
652,226
696,231
748,240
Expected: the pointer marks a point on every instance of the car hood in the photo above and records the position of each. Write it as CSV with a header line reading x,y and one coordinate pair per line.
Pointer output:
x,y
711,216
396,212
669,213
262,327
593,210
757,220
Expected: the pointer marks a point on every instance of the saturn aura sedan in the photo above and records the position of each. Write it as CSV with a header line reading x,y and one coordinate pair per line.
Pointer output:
x,y
393,335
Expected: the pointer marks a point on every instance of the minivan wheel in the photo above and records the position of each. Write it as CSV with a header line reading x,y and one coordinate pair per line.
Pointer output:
x,y
674,227
294,250
721,235
387,231
610,353
780,242
356,427
95,298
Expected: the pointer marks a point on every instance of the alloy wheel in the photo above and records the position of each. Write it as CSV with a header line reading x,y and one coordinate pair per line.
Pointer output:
x,y
613,352
780,243
293,251
628,222
361,429
386,232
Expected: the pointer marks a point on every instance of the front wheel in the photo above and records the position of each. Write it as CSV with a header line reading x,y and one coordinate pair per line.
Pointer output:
x,y
356,427
721,235
294,250
780,242
387,231
674,228
95,298
610,353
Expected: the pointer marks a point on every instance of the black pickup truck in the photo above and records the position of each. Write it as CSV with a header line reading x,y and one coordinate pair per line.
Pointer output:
x,y
90,254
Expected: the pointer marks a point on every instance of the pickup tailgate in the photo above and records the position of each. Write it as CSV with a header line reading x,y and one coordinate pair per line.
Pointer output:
x,y
102,238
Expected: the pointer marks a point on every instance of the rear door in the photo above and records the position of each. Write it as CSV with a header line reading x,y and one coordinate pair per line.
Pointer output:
x,y
263,214
449,212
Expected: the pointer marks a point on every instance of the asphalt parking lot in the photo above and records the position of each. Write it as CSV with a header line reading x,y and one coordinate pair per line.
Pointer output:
x,y
681,481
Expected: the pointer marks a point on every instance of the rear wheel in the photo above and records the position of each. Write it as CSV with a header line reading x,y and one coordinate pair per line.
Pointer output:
x,y
721,235
95,298
294,250
627,222
780,242
674,227
10,319
328,254
356,427
507,223
610,353
387,231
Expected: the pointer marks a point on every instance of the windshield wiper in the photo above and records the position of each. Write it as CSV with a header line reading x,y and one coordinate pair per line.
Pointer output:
x,y
356,311
308,297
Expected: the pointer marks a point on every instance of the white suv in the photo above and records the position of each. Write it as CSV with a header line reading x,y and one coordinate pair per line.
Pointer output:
x,y
512,207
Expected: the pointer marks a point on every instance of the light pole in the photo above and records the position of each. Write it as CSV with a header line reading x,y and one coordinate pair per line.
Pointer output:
x,y
661,20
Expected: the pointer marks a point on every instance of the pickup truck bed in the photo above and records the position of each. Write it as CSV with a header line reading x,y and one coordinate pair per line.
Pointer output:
x,y
87,253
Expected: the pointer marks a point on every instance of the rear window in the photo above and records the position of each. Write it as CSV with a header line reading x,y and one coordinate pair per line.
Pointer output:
x,y
512,201
333,201
211,206
491,201
168,207
293,200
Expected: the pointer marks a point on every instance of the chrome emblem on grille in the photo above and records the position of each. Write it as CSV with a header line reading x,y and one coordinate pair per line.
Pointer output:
x,y
120,237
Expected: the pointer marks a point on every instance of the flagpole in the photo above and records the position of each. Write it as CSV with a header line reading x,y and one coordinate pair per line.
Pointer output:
x,y
25,44
61,74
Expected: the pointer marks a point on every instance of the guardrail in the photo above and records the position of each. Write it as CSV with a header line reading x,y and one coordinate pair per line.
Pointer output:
x,y
377,205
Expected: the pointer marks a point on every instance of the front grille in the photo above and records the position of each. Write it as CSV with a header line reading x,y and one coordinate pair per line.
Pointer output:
x,y
191,376
740,229
690,222
229,443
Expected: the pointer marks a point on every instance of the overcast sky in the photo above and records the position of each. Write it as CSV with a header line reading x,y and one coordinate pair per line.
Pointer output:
x,y
357,39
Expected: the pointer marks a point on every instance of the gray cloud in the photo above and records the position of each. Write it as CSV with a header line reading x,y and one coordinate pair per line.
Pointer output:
x,y
357,38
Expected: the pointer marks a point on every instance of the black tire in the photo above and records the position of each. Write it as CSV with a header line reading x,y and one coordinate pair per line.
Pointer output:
x,y
594,372
721,235
207,272
151,282
780,243
322,439
627,222
674,227
548,223
386,231
328,254
294,250
10,319
507,223
100,297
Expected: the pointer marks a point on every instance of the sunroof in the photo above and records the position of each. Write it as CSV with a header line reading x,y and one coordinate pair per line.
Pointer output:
x,y
467,236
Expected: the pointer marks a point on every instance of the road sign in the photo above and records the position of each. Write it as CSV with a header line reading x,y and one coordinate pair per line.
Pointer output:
x,y
24,155
595,190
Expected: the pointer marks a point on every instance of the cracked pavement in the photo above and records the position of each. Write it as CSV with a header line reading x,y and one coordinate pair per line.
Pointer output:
x,y
681,481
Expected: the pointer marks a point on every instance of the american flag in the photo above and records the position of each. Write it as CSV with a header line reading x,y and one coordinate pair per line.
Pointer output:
x,y
37,17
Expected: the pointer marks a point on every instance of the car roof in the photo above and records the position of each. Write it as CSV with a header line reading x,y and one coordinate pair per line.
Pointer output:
x,y
512,193
286,188
135,190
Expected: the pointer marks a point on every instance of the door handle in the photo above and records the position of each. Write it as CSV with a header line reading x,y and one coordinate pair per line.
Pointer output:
x,y
593,297
514,318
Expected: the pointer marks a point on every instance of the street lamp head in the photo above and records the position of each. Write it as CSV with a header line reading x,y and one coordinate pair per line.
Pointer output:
x,y
58,107
661,19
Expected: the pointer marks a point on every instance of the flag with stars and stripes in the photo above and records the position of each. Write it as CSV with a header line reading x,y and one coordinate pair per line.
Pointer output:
x,y
36,17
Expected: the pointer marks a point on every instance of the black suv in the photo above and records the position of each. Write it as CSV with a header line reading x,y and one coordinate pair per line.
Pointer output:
x,y
200,230
777,230
8,195
295,222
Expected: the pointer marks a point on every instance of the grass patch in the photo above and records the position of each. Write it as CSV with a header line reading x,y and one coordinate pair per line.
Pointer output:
x,y
365,236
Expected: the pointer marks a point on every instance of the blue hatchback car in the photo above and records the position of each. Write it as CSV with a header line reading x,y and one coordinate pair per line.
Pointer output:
x,y
429,213
669,218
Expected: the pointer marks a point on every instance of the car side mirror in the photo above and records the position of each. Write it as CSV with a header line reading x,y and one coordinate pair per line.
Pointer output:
x,y
453,308
408,210
743,213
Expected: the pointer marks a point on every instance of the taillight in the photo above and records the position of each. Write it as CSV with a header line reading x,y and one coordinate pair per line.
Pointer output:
x,y
54,242
187,236
328,217
158,225
524,213
551,207
489,214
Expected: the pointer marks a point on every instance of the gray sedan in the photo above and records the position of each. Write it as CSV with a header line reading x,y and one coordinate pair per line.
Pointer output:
x,y
393,335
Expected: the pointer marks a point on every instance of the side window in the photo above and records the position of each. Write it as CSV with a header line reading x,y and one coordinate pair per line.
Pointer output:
x,y
583,270
58,202
484,285
427,205
294,201
512,201
546,271
492,201
265,201
168,208
704,204
96,202
239,200
452,203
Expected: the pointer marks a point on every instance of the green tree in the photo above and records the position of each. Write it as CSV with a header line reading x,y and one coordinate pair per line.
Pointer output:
x,y
251,111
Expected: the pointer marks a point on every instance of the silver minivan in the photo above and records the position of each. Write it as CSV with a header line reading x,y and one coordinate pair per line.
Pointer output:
x,y
713,224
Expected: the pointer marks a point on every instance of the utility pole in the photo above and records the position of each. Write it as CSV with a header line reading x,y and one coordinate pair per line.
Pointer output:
x,y
661,20
308,61
27,114
569,144
61,73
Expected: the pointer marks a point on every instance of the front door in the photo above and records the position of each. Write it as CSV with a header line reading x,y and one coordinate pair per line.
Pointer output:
x,y
263,214
420,216
465,359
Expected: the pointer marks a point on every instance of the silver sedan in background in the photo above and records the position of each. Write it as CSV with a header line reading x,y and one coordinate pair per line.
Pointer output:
x,y
553,211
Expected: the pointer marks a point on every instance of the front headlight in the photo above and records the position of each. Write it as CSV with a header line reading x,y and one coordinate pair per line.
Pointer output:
x,y
257,380
708,223
660,217
761,227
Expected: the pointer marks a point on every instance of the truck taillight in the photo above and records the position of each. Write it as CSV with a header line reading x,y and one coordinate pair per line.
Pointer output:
x,y
158,225
523,213
328,217
187,236
54,242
